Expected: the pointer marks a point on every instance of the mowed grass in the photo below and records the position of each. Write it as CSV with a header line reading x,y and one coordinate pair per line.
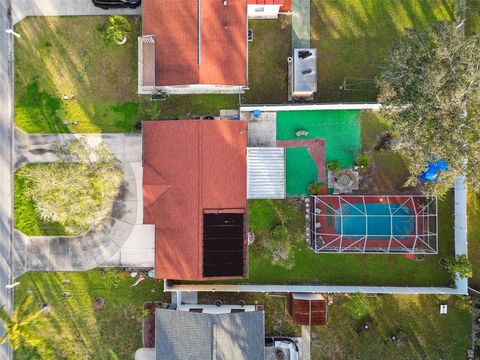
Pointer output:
x,y
473,215
422,331
74,327
353,37
59,56
343,269
267,61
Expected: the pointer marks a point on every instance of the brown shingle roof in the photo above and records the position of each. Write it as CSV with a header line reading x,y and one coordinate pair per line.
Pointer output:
x,y
219,58
190,166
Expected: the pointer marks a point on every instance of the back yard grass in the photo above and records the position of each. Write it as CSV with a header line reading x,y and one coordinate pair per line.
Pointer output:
x,y
423,333
267,61
74,327
353,37
59,56
386,175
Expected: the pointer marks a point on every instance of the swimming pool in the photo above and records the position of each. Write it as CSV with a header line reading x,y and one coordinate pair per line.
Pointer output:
x,y
374,220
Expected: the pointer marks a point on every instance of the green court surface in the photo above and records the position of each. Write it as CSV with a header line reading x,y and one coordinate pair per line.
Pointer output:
x,y
339,128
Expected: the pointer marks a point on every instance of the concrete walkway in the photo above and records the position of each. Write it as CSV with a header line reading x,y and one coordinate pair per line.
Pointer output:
x,y
305,344
300,24
124,241
6,162
24,8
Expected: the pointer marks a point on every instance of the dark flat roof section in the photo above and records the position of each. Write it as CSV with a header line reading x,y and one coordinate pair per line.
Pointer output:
x,y
223,244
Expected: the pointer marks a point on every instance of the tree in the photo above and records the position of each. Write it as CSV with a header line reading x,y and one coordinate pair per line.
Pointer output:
x,y
118,29
461,266
19,328
426,84
78,191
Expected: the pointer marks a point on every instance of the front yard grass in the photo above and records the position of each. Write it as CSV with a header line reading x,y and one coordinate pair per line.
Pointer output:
x,y
423,333
74,327
267,61
59,56
353,37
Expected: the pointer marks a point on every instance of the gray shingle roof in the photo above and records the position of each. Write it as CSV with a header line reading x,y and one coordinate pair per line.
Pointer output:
x,y
182,335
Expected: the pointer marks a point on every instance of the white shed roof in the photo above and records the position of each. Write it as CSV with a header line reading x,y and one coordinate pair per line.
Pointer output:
x,y
265,173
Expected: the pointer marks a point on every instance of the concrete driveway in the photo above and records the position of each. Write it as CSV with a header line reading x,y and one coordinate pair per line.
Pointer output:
x,y
124,242
24,8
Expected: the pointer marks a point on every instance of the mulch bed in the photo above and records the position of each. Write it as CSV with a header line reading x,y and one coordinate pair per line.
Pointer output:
x,y
149,324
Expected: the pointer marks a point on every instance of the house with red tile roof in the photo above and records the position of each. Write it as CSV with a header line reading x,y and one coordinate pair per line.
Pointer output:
x,y
266,9
193,46
194,192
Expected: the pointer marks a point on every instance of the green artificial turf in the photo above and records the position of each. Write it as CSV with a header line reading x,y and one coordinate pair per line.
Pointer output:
x,y
339,128
74,327
353,37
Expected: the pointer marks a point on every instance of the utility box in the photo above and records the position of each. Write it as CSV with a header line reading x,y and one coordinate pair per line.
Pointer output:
x,y
303,73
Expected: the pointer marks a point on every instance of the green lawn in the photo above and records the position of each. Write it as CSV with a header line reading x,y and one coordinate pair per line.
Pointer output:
x,y
59,56
77,330
423,333
267,61
342,269
353,37
473,209
472,23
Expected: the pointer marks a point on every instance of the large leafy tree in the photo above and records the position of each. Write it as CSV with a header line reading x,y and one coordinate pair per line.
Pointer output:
x,y
19,328
78,191
427,83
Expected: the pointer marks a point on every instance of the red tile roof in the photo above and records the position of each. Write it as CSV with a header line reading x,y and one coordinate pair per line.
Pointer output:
x,y
219,58
265,2
190,166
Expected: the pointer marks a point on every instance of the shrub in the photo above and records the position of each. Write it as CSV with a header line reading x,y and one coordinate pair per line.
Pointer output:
x,y
316,188
363,161
461,266
115,30
333,165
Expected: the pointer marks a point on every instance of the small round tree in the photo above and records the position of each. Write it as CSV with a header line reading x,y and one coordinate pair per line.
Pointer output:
x,y
461,266
116,30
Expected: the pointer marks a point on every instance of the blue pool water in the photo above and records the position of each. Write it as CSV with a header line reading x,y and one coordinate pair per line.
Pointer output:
x,y
377,223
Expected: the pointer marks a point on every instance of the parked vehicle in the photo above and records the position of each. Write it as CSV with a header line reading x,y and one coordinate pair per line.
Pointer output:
x,y
107,4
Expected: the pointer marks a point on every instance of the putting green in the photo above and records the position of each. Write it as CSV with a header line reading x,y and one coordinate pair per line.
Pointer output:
x,y
339,128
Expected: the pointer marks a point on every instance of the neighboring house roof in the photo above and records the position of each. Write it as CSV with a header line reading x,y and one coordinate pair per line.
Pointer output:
x,y
193,169
198,41
189,335
265,2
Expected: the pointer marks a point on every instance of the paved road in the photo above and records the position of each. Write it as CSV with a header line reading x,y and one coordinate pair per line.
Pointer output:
x,y
6,191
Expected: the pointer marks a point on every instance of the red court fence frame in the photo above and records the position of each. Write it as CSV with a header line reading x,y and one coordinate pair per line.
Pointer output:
x,y
325,209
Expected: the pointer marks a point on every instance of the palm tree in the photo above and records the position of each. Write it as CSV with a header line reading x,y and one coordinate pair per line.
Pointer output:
x,y
19,326
118,29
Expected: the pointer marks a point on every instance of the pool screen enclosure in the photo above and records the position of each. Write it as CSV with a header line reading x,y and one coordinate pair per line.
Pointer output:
x,y
373,224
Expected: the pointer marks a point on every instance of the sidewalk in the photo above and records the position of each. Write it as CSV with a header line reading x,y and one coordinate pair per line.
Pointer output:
x,y
300,24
